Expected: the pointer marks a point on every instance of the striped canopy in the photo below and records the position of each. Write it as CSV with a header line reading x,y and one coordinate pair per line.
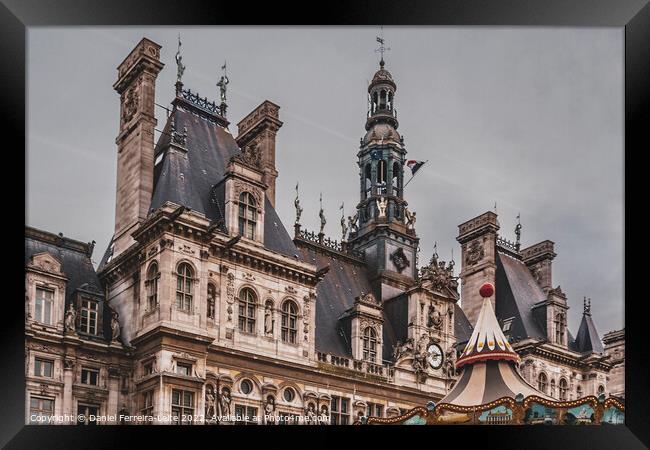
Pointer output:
x,y
489,366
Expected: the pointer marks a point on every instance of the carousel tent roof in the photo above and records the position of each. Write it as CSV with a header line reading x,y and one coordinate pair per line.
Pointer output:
x,y
488,366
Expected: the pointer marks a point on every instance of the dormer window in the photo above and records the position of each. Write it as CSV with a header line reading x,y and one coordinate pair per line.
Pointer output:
x,y
88,320
370,344
560,326
43,305
247,215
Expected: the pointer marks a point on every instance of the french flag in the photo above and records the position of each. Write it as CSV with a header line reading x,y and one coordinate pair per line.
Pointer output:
x,y
414,165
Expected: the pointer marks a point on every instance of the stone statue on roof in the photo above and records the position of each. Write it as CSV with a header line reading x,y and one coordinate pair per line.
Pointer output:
x,y
70,318
180,67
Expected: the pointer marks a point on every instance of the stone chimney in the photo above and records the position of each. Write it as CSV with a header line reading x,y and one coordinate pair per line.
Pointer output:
x,y
136,85
538,258
477,238
257,130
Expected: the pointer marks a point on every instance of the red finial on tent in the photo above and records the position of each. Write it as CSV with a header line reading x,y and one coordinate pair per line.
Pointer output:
x,y
486,290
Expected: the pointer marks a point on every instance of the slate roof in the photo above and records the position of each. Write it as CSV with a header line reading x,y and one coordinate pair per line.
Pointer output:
x,y
462,328
516,293
75,261
193,179
344,281
587,340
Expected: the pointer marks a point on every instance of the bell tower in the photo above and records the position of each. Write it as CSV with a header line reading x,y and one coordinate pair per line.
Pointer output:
x,y
383,228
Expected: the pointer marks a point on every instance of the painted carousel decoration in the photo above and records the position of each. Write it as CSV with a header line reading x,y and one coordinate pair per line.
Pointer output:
x,y
491,391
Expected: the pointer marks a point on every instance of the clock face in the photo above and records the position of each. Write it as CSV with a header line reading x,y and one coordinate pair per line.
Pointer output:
x,y
435,356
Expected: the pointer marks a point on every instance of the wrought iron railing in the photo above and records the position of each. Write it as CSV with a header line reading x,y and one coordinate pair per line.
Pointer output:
x,y
331,244
201,102
508,245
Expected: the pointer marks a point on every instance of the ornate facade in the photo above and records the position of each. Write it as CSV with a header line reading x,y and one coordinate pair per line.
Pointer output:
x,y
204,309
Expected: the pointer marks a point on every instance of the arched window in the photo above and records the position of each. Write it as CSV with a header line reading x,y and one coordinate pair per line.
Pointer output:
x,y
184,278
560,326
212,300
395,182
370,344
382,173
247,215
289,321
390,100
564,389
247,302
382,99
552,393
542,382
578,392
601,389
152,286
375,101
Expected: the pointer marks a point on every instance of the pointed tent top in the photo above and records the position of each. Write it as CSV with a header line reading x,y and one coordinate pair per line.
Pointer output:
x,y
487,341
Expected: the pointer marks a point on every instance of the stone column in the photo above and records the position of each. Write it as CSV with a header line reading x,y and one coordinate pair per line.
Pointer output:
x,y
113,394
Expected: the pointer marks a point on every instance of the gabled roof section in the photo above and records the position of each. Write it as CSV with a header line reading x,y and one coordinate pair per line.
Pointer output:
x,y
587,340
335,294
516,294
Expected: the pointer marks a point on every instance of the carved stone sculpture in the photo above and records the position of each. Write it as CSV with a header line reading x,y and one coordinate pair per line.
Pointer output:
x,y
268,319
70,318
382,204
410,219
224,402
210,403
115,326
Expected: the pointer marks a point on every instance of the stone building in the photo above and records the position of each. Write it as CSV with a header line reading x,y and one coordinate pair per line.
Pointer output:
x,y
205,309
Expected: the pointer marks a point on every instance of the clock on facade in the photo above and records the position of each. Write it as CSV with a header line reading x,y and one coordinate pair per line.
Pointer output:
x,y
435,356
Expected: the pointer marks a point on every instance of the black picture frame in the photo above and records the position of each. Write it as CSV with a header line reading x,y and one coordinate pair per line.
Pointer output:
x,y
633,15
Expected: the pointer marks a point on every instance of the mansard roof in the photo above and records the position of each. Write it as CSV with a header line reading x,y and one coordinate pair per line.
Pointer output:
x,y
74,257
76,265
462,328
193,178
587,340
335,294
516,294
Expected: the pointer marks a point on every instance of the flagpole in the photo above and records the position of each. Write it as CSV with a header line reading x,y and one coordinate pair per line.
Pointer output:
x,y
404,187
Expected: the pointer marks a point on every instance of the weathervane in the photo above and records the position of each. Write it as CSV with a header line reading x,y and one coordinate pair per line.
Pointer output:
x,y
180,67
382,48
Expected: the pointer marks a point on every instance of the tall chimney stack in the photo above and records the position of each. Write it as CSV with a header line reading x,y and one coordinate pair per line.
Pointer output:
x,y
136,85
258,130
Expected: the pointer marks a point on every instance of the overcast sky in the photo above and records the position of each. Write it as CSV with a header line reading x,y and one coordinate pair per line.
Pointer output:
x,y
529,118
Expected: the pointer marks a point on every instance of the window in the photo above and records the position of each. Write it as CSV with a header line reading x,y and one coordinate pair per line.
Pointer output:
x,y
246,387
152,286
289,321
89,376
247,215
374,410
370,344
147,368
184,369
40,407
43,368
560,326
245,415
288,419
563,390
43,306
89,316
340,411
184,287
182,407
247,301
147,405
542,382
87,414
289,394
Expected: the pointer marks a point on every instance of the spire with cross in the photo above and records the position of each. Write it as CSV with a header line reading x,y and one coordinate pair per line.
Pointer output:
x,y
382,48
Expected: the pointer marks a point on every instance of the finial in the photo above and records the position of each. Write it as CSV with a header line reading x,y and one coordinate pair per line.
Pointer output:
x,y
180,67
435,249
586,304
296,203
495,207
518,232
321,214
382,48
222,85
344,227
